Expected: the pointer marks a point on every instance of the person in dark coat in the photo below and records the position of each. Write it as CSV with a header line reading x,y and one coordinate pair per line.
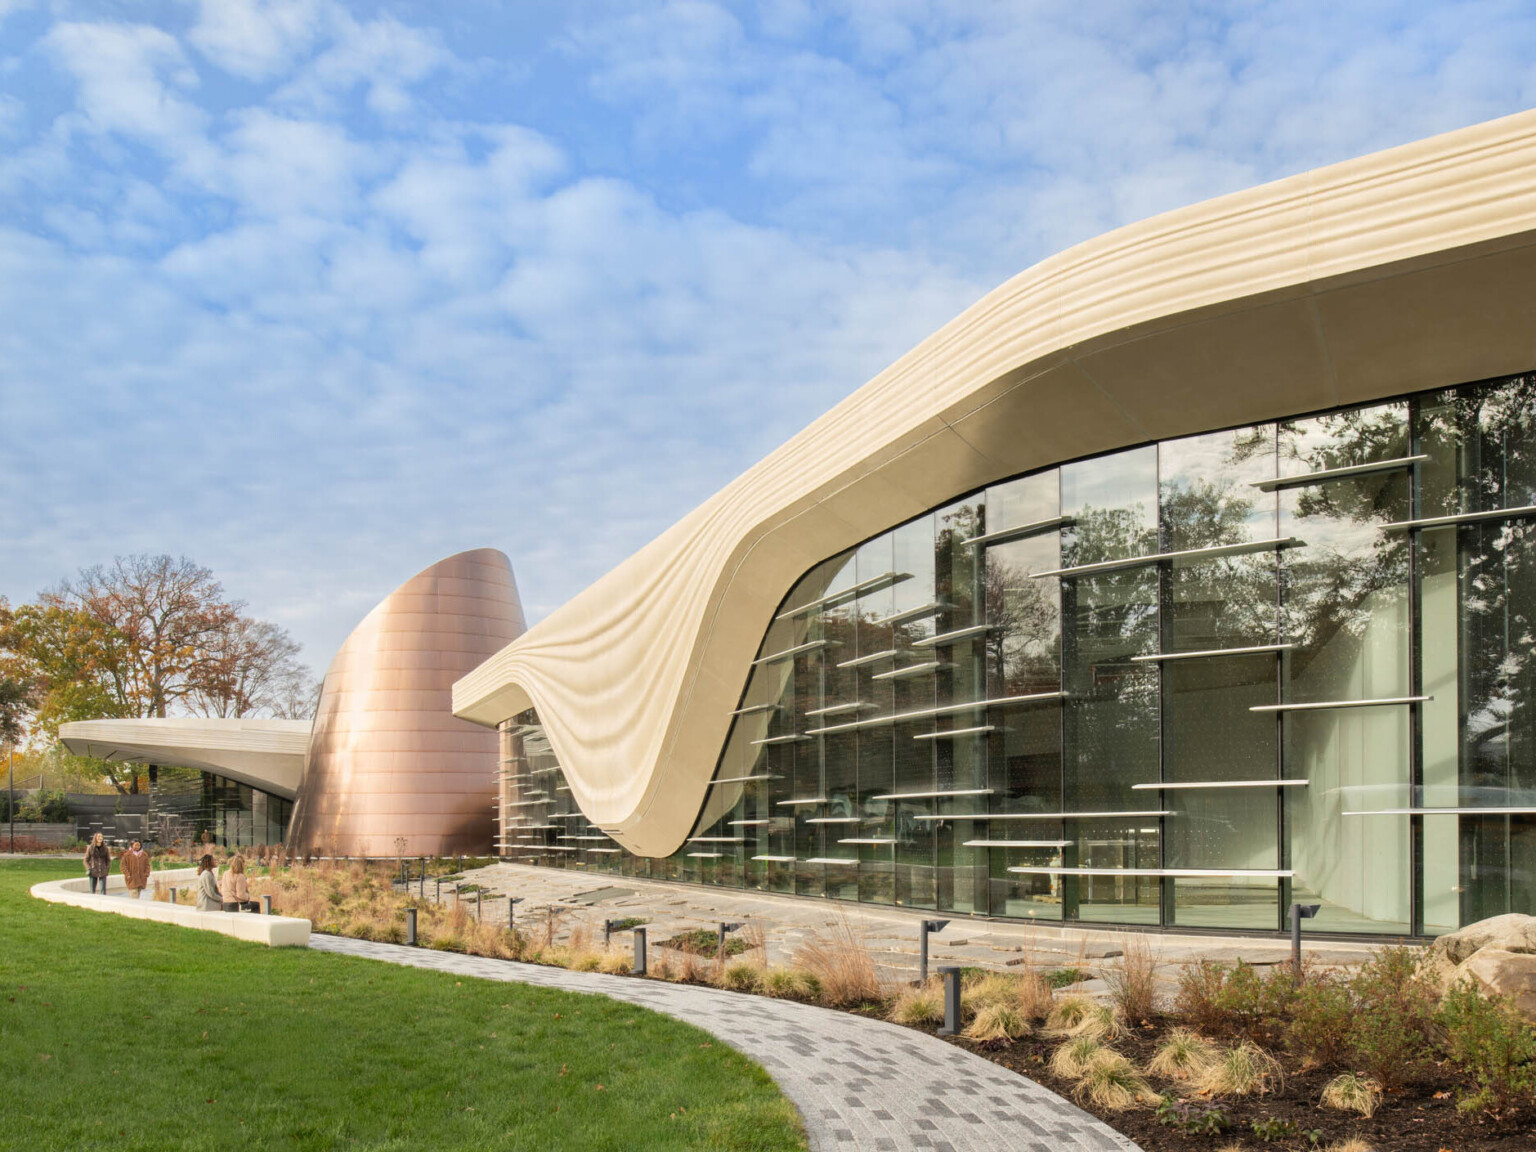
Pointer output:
x,y
98,863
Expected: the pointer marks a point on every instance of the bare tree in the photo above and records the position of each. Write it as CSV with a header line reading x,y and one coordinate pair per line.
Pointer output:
x,y
253,669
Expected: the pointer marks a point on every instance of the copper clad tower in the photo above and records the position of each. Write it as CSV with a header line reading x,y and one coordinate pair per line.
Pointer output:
x,y
387,758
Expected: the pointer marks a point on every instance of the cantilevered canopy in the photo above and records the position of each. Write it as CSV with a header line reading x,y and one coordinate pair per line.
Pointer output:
x,y
266,754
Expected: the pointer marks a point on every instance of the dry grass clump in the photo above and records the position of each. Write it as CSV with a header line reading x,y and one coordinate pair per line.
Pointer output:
x,y
1348,1092
741,976
1353,1144
1183,1056
1133,981
1026,993
616,963
789,984
997,1023
842,966
1110,1081
921,1005
586,959
1071,1060
1241,1070
1086,1018
1068,1012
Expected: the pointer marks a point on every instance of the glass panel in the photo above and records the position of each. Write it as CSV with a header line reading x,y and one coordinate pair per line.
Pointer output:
x,y
1345,607
1111,712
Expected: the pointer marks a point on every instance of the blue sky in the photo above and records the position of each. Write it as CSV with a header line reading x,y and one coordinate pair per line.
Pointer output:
x,y
318,293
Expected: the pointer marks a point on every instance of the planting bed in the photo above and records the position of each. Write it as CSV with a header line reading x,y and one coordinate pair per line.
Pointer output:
x,y
1421,1118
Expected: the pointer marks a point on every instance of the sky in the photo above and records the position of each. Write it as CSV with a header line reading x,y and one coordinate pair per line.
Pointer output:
x,y
318,293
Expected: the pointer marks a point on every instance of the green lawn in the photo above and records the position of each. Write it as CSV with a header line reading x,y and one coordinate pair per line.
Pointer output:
x,y
124,1034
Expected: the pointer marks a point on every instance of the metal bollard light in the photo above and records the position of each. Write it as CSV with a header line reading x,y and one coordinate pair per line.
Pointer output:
x,y
725,927
512,903
638,968
923,929
1299,912
266,905
410,925
951,974
173,895
479,900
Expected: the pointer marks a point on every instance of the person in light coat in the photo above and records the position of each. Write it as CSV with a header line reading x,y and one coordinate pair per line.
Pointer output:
x,y
135,868
208,886
234,889
98,863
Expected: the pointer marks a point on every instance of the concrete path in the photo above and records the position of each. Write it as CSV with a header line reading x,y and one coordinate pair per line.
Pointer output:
x,y
859,1083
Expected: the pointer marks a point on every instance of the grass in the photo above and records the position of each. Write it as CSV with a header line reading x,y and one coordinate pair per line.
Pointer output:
x,y
1349,1092
136,1036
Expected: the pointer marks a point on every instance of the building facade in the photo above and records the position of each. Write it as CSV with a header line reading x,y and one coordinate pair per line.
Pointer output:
x,y
1182,684
1185,576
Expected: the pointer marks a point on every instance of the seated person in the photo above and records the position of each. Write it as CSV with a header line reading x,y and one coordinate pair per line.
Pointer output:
x,y
207,885
234,890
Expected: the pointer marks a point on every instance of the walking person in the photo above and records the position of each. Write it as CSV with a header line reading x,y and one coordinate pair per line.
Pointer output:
x,y
208,886
98,863
135,868
234,888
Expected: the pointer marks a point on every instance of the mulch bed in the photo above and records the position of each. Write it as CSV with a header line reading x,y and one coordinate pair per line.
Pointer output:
x,y
1421,1118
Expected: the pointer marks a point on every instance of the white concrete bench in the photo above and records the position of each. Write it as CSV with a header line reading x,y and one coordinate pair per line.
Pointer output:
x,y
275,931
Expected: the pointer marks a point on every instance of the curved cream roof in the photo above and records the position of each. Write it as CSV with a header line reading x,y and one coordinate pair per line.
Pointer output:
x,y
1398,271
266,754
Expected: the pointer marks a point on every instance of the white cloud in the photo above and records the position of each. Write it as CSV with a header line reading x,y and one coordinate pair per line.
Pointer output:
x,y
382,57
133,80
406,289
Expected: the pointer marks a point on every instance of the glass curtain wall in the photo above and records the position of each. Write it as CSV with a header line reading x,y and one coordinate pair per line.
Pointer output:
x,y
1182,684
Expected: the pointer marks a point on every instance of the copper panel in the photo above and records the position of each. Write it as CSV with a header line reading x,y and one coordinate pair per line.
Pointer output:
x,y
387,758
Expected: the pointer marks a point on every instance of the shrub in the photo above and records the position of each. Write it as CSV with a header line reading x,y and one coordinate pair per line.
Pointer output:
x,y
998,1023
1394,1007
1322,1020
1133,981
1274,1128
1183,1055
1198,999
921,1005
1112,1083
1241,1070
1486,1040
1190,1118
1235,1001
1348,1092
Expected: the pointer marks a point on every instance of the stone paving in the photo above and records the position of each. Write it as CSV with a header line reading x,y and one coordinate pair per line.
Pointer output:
x,y
858,1083
890,934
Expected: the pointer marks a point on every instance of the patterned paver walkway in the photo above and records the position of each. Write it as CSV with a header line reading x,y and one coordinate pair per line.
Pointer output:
x,y
858,1083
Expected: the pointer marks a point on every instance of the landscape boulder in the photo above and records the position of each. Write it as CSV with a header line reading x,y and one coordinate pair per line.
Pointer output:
x,y
1500,973
1509,933
1499,954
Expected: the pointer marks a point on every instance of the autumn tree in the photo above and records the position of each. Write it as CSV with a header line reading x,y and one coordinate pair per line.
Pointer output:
x,y
149,636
